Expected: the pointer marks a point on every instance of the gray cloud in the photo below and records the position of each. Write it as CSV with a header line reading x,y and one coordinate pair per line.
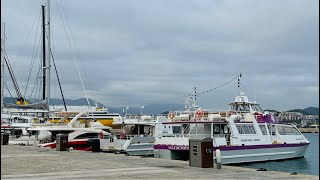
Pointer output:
x,y
135,53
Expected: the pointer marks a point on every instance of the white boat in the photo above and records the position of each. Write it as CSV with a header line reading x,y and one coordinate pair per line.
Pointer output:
x,y
245,136
46,132
134,134
78,138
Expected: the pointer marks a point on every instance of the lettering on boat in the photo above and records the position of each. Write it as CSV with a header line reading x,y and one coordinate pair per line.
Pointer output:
x,y
178,147
245,140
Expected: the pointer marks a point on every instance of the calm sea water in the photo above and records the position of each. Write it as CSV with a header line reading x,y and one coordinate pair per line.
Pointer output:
x,y
307,165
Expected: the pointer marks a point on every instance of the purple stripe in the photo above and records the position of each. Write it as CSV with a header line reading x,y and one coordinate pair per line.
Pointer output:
x,y
195,122
229,148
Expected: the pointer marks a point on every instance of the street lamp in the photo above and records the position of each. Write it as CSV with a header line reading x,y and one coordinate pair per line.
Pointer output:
x,y
142,107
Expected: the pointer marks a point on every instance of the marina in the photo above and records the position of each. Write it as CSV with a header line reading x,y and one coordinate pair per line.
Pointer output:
x,y
129,113
27,162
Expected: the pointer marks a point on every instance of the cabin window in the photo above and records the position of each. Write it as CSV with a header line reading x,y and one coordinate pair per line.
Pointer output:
x,y
287,130
281,130
226,129
296,132
246,129
263,129
176,129
87,136
186,128
291,131
216,129
273,130
252,130
240,129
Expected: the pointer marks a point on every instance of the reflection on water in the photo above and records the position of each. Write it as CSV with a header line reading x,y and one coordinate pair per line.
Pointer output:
x,y
307,165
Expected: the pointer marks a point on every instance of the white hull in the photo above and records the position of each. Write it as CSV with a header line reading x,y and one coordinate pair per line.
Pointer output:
x,y
241,155
264,154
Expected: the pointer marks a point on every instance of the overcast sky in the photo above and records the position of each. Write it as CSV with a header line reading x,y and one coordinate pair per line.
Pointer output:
x,y
133,53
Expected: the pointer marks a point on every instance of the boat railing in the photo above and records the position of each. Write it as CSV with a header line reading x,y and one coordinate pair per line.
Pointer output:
x,y
128,137
200,115
139,117
186,135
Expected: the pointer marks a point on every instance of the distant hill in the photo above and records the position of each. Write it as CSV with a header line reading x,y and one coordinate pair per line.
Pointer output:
x,y
307,111
148,109
53,101
311,111
271,110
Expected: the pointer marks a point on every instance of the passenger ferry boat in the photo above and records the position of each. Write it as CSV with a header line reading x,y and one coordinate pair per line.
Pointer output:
x,y
242,134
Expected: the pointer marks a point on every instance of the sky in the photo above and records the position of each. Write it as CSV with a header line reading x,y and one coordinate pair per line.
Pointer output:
x,y
133,53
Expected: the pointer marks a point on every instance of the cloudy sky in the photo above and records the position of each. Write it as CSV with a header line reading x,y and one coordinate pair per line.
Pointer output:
x,y
133,53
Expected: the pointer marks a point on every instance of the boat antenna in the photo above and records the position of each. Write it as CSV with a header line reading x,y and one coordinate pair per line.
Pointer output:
x,y
195,96
239,84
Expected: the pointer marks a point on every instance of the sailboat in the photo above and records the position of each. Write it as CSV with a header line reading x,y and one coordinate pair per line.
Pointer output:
x,y
22,115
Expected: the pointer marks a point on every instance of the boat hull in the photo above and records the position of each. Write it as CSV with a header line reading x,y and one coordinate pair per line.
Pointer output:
x,y
239,154
143,149
82,145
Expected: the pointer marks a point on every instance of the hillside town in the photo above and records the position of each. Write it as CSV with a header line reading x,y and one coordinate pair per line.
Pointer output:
x,y
298,119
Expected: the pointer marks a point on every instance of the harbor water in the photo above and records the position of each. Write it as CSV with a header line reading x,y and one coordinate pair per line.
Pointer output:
x,y
307,165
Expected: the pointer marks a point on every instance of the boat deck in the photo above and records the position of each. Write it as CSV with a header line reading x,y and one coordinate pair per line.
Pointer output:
x,y
27,162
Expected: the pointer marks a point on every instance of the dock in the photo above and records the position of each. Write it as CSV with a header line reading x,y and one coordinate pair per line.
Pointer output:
x,y
29,162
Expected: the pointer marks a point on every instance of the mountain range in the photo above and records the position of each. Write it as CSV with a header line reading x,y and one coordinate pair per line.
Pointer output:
x,y
148,109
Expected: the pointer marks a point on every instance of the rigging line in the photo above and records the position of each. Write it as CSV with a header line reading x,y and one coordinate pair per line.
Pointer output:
x,y
36,82
219,85
77,52
72,39
12,75
5,84
74,59
20,50
34,53
54,64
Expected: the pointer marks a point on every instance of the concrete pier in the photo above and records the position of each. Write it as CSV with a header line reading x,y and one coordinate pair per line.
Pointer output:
x,y
23,162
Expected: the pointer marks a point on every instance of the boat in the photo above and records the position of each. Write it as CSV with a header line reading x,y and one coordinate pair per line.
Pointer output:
x,y
22,114
80,138
134,134
46,133
99,114
241,135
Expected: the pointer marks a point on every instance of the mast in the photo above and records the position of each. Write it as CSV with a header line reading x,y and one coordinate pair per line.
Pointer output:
x,y
43,54
2,64
48,55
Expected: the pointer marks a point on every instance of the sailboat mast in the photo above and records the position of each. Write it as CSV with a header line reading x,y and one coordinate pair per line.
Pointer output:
x,y
2,63
48,55
43,54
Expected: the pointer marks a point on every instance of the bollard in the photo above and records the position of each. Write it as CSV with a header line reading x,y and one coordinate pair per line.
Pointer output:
x,y
4,138
95,144
62,142
218,158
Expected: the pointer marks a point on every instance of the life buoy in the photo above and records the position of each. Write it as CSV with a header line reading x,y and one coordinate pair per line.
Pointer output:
x,y
198,114
171,115
101,135
122,135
